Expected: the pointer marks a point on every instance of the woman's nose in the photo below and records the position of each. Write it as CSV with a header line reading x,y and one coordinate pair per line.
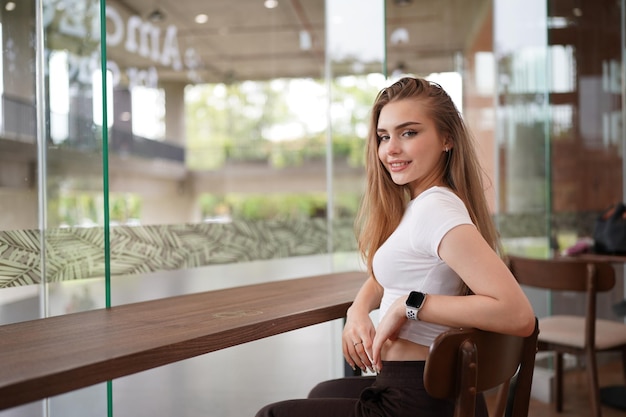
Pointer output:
x,y
393,145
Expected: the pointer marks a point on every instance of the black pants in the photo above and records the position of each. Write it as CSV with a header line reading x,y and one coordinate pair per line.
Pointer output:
x,y
398,391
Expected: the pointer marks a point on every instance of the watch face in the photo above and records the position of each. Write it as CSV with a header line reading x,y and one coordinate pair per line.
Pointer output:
x,y
415,299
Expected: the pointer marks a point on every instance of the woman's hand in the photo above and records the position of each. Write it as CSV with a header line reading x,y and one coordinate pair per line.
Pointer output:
x,y
388,329
359,331
357,338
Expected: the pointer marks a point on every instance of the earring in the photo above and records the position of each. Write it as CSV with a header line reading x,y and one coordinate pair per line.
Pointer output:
x,y
446,149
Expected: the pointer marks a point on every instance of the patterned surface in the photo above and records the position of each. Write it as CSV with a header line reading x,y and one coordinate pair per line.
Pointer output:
x,y
78,253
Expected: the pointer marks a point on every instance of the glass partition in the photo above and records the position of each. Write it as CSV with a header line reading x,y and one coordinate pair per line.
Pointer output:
x,y
522,125
524,204
559,127
586,129
51,133
355,72
51,170
20,191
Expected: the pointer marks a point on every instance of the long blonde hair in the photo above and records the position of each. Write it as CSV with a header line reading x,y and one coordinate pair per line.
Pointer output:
x,y
384,201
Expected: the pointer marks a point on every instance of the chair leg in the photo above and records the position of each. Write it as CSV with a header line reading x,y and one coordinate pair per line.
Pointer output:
x,y
558,381
594,389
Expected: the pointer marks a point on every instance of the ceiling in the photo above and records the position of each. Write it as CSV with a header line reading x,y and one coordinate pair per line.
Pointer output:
x,y
243,40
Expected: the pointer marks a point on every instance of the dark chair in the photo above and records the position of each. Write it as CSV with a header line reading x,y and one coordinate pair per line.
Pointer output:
x,y
462,363
577,335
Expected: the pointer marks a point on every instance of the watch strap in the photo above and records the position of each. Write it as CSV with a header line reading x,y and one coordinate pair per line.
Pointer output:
x,y
411,313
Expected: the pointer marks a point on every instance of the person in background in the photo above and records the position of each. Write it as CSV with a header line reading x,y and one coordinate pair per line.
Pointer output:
x,y
433,257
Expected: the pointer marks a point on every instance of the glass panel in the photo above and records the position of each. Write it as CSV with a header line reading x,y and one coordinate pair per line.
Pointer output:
x,y
74,170
218,147
586,128
237,106
586,116
522,125
20,233
559,124
51,176
355,73
523,133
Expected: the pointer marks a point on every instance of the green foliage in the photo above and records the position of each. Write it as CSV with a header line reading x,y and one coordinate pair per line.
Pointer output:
x,y
86,209
124,207
275,206
258,121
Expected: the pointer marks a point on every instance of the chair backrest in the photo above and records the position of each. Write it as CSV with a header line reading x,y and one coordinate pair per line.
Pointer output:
x,y
464,362
563,273
569,274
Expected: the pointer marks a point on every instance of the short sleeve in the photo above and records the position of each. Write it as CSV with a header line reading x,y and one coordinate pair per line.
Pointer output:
x,y
433,214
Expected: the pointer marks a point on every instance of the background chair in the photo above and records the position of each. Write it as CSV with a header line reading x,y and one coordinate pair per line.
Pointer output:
x,y
578,335
462,363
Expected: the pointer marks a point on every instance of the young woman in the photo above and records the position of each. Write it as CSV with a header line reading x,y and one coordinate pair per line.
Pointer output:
x,y
432,251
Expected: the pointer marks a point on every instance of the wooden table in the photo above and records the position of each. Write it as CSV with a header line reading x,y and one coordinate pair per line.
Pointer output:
x,y
602,257
46,357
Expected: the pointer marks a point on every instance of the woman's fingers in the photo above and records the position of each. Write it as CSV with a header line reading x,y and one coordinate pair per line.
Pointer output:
x,y
375,355
357,342
358,357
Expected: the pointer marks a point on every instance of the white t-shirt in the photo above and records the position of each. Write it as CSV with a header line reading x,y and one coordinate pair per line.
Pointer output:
x,y
409,260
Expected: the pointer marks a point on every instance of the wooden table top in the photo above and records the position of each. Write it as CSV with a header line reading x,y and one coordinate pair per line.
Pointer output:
x,y
46,357
602,257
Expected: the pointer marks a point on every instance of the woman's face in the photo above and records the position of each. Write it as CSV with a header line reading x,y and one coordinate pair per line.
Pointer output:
x,y
410,148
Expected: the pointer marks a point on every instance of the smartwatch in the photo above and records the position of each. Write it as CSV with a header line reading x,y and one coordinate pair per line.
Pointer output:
x,y
413,304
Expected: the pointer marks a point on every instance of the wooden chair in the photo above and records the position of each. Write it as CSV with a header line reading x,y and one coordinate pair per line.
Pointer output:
x,y
462,363
578,335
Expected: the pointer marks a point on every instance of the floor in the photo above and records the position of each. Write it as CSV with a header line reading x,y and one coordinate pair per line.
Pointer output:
x,y
576,397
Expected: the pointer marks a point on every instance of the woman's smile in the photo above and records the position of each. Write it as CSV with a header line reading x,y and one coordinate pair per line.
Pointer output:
x,y
398,166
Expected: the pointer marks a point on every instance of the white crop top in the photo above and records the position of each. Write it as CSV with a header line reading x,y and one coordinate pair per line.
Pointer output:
x,y
409,260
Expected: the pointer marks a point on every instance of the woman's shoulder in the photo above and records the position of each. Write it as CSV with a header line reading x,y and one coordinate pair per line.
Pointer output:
x,y
438,202
438,194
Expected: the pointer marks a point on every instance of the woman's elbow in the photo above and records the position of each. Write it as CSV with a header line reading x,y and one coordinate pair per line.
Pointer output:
x,y
525,322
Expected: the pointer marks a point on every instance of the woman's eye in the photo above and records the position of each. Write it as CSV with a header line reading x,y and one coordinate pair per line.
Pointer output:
x,y
383,138
409,133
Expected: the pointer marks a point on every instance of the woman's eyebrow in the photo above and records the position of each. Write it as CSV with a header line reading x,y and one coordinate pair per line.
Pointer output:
x,y
409,123
400,126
